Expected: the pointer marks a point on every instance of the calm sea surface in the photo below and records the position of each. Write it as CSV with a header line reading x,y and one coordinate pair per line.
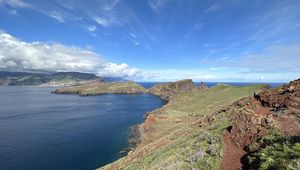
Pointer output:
x,y
39,130
211,84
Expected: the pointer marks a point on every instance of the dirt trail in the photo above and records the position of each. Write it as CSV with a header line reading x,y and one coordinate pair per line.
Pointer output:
x,y
232,154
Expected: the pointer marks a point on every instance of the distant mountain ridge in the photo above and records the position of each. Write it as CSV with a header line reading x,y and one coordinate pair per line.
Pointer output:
x,y
8,78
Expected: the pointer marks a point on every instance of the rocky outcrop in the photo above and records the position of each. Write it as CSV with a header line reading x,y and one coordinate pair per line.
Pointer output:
x,y
167,91
254,117
286,96
182,85
202,86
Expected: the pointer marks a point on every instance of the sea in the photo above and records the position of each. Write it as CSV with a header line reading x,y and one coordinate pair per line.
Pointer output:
x,y
211,84
40,130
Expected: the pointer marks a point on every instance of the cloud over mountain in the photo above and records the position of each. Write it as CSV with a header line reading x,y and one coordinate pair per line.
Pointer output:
x,y
19,55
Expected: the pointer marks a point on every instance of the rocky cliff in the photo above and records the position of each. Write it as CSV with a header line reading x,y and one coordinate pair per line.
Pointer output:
x,y
260,126
167,91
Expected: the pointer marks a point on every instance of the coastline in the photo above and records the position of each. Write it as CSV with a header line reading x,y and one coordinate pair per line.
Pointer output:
x,y
136,131
191,116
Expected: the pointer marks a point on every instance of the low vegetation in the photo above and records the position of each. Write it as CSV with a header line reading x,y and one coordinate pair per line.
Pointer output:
x,y
173,138
275,151
97,88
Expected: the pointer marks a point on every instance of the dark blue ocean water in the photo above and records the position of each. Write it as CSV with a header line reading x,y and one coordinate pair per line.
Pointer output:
x,y
211,84
39,130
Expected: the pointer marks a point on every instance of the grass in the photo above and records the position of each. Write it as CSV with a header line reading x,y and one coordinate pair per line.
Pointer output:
x,y
276,151
103,88
175,141
215,98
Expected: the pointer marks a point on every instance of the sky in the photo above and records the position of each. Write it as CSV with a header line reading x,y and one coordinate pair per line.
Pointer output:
x,y
154,40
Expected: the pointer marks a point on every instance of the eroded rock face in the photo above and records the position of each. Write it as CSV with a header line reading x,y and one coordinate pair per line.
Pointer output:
x,y
270,108
184,85
254,117
284,97
168,91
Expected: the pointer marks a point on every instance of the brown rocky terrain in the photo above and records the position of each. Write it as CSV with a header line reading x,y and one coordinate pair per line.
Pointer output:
x,y
253,118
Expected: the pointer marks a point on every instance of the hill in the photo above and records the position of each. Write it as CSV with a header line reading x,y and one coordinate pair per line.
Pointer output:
x,y
223,127
97,88
184,133
34,79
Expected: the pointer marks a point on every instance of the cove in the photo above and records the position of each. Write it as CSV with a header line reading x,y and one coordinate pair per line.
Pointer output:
x,y
39,130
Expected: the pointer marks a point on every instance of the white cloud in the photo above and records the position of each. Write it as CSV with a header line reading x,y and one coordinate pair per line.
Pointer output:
x,y
122,70
132,35
213,8
157,5
91,28
102,21
177,74
111,5
58,16
15,3
276,58
19,55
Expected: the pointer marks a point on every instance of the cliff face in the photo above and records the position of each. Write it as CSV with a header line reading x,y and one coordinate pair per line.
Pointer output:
x,y
182,85
168,91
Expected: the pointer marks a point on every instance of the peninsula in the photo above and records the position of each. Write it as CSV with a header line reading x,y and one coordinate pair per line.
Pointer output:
x,y
222,127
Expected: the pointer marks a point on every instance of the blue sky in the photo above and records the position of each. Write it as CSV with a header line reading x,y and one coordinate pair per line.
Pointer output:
x,y
154,40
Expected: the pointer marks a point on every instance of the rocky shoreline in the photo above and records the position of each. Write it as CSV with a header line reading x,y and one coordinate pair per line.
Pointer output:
x,y
134,140
222,127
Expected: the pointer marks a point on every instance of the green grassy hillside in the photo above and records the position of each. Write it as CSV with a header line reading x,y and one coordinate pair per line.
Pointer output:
x,y
172,137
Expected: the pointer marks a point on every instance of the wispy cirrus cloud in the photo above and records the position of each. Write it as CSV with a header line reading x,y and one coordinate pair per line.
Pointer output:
x,y
213,8
276,58
91,28
15,3
57,16
277,25
157,5
272,59
103,21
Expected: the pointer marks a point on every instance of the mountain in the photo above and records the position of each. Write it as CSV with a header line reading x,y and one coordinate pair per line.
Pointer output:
x,y
114,79
32,79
